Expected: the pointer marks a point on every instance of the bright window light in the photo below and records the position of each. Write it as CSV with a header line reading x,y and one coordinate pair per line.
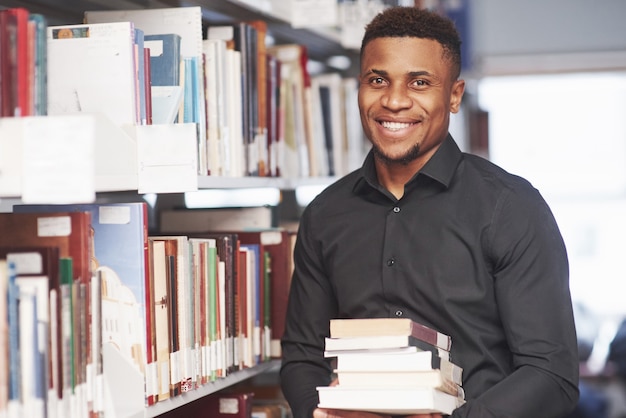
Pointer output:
x,y
218,198
567,135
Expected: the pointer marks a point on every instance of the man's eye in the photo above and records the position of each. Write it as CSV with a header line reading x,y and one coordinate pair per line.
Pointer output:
x,y
420,83
377,80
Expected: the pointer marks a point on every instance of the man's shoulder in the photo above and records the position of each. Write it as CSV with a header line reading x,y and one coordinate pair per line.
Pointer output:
x,y
492,173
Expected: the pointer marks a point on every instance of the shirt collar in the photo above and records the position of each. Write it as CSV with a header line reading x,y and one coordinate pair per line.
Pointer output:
x,y
441,166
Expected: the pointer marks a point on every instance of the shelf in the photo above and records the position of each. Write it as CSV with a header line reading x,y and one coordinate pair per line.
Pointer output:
x,y
207,389
321,42
208,182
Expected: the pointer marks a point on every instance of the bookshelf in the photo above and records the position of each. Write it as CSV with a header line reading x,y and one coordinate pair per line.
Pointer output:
x,y
121,164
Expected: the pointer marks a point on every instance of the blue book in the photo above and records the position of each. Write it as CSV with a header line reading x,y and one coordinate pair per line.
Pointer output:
x,y
141,75
165,58
14,334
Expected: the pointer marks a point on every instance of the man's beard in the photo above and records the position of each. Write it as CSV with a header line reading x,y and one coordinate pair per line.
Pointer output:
x,y
405,159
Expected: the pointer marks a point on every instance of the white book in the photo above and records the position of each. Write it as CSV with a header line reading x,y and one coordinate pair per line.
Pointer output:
x,y
214,101
408,359
235,112
394,401
31,373
318,135
4,340
91,70
400,379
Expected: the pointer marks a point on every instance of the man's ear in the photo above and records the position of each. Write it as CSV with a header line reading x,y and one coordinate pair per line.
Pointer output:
x,y
456,95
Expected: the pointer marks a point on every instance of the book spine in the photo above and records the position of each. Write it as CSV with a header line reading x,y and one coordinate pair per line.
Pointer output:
x,y
431,336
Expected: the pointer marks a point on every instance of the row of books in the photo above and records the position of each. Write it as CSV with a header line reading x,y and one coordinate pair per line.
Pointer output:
x,y
392,366
257,109
184,310
23,51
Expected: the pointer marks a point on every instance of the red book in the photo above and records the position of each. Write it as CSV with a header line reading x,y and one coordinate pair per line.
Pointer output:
x,y
23,104
69,231
148,84
8,63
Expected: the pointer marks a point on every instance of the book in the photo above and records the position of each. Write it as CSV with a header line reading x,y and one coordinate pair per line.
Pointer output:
x,y
218,142
4,336
334,121
334,346
140,71
245,41
8,62
363,327
69,231
400,379
165,58
408,359
111,60
160,308
261,118
38,25
23,67
393,401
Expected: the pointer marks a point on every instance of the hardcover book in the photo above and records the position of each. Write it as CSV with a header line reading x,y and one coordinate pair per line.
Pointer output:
x,y
165,58
334,346
394,401
399,379
69,231
363,327
160,312
408,359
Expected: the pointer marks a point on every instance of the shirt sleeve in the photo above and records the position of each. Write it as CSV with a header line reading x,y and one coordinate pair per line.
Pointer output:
x,y
530,270
310,308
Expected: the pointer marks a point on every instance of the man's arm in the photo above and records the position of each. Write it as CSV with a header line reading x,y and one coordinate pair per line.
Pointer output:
x,y
530,271
311,306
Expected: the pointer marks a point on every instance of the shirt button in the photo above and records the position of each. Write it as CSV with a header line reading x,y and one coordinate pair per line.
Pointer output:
x,y
396,209
399,313
391,262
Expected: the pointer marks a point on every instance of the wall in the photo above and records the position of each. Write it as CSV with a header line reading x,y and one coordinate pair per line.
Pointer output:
x,y
513,36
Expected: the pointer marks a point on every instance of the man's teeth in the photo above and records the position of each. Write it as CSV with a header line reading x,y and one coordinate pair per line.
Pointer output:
x,y
395,126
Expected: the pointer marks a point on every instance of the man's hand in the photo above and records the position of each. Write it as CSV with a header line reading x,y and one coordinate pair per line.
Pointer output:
x,y
338,413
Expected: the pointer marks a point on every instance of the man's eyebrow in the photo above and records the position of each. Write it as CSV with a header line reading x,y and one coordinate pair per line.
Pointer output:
x,y
418,73
411,74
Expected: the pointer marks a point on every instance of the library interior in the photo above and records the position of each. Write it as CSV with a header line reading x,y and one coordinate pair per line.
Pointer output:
x,y
156,157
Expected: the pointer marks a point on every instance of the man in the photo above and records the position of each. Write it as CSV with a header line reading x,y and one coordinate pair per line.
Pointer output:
x,y
442,237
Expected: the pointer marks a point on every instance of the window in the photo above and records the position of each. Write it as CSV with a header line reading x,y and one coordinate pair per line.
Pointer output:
x,y
567,135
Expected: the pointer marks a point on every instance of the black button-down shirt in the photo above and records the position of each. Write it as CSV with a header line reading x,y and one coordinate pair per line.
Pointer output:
x,y
469,250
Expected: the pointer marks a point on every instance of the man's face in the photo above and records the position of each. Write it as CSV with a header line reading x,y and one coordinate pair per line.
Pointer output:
x,y
406,95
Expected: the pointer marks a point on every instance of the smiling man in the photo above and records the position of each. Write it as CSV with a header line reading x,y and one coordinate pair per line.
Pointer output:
x,y
427,232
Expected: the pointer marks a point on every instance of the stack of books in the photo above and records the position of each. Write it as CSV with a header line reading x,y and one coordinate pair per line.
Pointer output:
x,y
391,366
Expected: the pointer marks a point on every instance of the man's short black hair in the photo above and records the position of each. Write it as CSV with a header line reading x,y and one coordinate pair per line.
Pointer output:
x,y
399,22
